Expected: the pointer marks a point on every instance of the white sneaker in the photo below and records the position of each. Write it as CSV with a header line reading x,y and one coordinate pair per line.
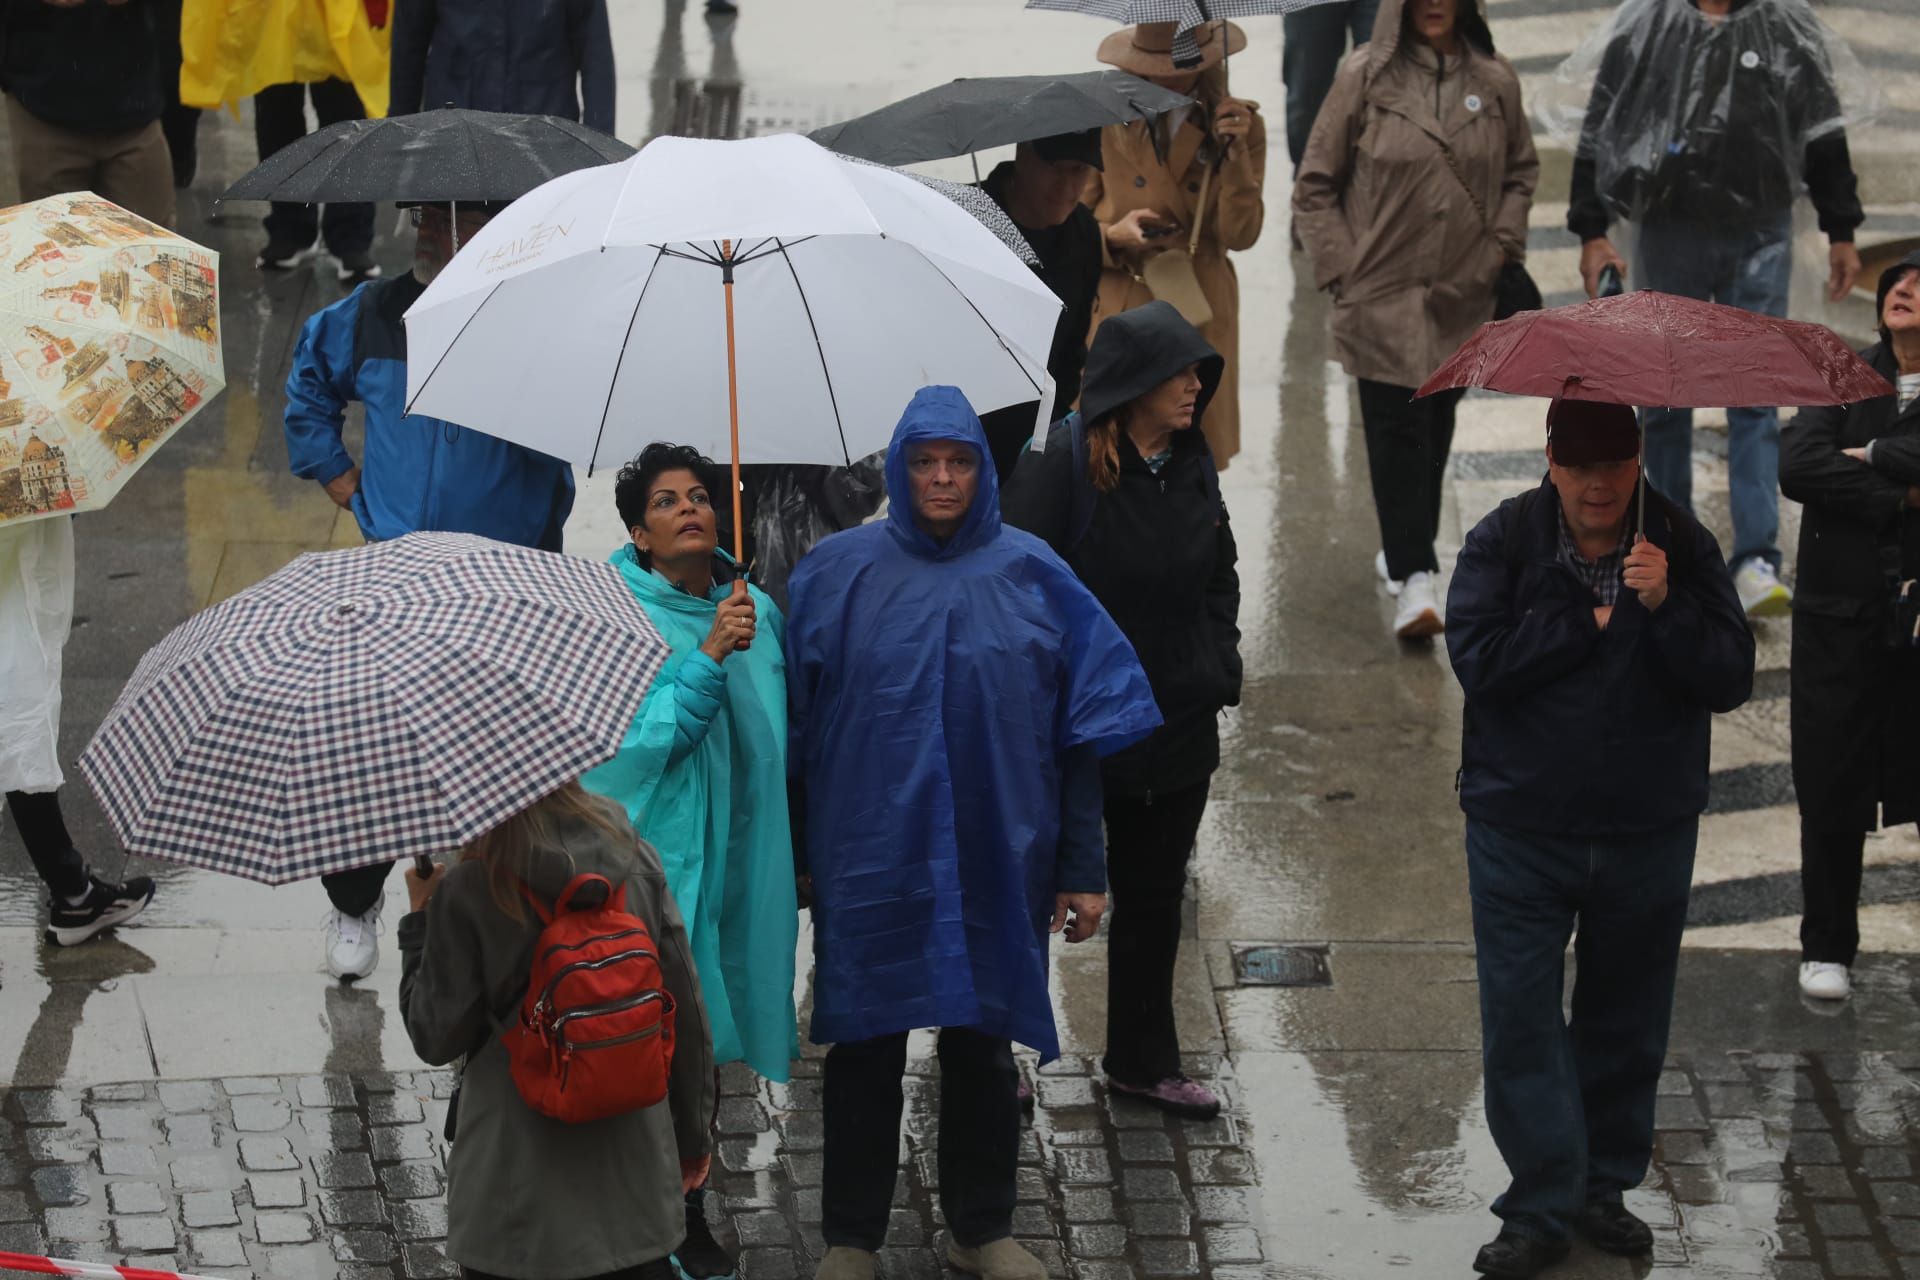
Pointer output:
x,y
353,944
1824,980
1761,592
1380,567
1419,616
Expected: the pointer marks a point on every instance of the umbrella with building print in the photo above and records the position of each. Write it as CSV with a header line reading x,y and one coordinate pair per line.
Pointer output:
x,y
109,342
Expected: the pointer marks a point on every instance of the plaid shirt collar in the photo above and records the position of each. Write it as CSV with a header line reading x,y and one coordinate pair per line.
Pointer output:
x,y
1604,576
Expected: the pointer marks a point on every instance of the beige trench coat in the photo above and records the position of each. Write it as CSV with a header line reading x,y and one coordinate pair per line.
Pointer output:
x,y
1135,178
1390,228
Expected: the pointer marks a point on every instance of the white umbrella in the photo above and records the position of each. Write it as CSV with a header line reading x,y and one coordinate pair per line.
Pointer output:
x,y
762,300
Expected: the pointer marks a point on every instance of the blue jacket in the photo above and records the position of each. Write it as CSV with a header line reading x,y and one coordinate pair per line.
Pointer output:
x,y
419,473
537,57
1573,730
939,691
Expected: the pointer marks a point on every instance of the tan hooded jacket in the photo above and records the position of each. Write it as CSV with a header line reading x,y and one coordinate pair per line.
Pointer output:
x,y
1391,229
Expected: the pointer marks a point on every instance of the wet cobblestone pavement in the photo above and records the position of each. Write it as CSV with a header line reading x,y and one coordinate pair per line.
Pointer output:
x,y
1808,1160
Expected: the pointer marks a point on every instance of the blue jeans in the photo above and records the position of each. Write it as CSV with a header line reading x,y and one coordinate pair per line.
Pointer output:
x,y
1747,266
1316,40
1570,1102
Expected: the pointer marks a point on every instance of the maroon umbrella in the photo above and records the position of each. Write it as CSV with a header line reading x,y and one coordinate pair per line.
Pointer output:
x,y
1647,348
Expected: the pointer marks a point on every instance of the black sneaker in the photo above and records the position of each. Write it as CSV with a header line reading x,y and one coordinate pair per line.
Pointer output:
x,y
722,8
1512,1256
282,256
357,268
1612,1228
105,906
700,1256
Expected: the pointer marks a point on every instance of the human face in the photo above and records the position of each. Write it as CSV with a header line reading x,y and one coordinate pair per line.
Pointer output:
x,y
433,241
1595,497
1169,406
679,517
944,476
1901,314
1434,20
1046,191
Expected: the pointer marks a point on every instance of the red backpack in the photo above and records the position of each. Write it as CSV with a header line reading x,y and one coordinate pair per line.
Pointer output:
x,y
595,1032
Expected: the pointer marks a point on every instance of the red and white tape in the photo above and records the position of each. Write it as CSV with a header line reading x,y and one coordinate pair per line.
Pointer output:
x,y
34,1264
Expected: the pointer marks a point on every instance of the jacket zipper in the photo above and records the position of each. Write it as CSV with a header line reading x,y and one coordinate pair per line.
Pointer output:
x,y
579,966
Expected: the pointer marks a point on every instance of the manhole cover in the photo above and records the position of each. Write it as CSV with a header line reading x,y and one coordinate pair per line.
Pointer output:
x,y
1276,966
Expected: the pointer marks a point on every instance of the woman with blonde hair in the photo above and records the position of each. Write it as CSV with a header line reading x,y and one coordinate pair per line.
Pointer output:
x,y
1126,493
530,1197
1178,195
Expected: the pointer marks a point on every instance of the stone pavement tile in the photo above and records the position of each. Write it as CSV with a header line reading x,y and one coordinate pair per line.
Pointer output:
x,y
76,1224
14,1207
352,1208
1232,1244
248,1086
1885,1162
1159,1218
283,1228
217,1248
1824,1181
62,1185
201,1172
427,1262
768,1264
1098,1240
325,1091
43,1106
743,1115
187,1095
1168,1258
335,1130
363,1246
123,1124
70,1143
1078,1127
192,1132
420,1220
132,1091
1143,1146
267,1155
209,1209
1814,1148
1221,1166
1088,1204
402,1142
1222,1204
1855,1258
261,1114
126,1159
136,1197
1082,1165
277,1190
143,1235
22,1237
340,1169
394,1108
412,1181
1839,1220
1899,1199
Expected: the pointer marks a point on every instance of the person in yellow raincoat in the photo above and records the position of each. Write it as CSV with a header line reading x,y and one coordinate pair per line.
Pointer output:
x,y
280,52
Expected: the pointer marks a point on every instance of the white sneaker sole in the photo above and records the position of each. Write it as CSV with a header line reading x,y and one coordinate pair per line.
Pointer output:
x,y
74,935
299,259
1424,625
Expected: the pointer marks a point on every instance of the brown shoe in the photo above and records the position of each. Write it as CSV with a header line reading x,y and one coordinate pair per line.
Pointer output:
x,y
842,1263
999,1260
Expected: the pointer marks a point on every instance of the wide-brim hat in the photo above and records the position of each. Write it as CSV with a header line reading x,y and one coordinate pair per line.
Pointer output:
x,y
1147,49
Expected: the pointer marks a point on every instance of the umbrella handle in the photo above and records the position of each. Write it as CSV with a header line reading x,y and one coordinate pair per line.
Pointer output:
x,y
423,866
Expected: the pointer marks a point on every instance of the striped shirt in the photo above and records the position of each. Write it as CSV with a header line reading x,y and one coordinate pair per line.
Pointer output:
x,y
1604,576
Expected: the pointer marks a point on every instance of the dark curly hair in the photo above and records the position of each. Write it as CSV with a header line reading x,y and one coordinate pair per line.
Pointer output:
x,y
636,479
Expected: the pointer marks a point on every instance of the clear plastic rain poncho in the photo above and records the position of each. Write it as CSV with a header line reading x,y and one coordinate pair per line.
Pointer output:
x,y
1684,114
797,506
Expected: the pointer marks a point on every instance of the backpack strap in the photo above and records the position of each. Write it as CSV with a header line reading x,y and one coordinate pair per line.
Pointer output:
x,y
564,903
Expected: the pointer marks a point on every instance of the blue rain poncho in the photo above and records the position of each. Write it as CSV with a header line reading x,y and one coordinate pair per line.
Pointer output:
x,y
934,690
702,775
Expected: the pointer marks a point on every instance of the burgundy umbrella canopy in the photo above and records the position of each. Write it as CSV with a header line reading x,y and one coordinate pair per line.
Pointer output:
x,y
1654,349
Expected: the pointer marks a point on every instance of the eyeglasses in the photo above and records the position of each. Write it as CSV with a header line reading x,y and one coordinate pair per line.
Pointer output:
x,y
468,223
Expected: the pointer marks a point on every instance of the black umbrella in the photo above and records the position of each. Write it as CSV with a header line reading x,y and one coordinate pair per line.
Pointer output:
x,y
992,111
433,157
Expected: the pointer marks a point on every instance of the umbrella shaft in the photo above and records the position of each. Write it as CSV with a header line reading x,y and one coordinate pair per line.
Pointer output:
x,y
733,404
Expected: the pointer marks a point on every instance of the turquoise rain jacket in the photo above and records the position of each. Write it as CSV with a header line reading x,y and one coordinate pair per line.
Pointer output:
x,y
937,691
703,777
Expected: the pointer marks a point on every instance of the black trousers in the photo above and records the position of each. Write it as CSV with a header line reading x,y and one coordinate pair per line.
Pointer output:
x,y
44,831
1830,894
280,119
355,892
1149,842
1407,445
979,1137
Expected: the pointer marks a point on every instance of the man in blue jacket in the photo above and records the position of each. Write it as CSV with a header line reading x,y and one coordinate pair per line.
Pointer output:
x,y
952,687
418,474
1592,656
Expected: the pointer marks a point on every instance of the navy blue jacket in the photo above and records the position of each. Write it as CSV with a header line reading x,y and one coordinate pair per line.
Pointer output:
x,y
538,57
1572,730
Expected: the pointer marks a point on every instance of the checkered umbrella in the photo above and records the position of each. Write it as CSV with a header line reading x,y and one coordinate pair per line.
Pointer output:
x,y
1187,13
361,706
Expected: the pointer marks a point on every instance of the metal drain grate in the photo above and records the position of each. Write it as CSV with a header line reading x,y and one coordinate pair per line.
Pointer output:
x,y
1277,966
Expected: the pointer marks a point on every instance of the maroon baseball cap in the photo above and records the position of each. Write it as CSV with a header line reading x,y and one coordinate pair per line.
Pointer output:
x,y
1583,432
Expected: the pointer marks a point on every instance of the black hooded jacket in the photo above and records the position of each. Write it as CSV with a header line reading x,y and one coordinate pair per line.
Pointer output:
x,y
1157,551
92,67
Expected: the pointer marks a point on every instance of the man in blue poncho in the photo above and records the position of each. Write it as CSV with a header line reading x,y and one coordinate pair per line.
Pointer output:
x,y
952,688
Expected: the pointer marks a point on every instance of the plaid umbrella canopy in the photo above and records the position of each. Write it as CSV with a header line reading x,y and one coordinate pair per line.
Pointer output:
x,y
390,701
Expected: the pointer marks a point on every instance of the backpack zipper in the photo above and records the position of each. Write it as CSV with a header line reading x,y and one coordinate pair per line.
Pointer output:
x,y
537,1019
550,952
612,1006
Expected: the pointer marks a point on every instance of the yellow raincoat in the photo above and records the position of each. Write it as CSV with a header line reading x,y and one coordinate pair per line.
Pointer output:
x,y
232,49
